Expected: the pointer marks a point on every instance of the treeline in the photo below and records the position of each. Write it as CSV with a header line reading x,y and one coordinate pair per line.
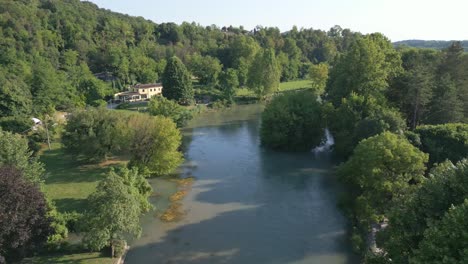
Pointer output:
x,y
399,119
51,50
428,44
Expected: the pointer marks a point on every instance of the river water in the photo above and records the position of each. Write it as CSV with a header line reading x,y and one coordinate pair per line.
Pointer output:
x,y
247,204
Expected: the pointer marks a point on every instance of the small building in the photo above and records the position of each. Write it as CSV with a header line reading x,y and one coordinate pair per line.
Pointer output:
x,y
140,92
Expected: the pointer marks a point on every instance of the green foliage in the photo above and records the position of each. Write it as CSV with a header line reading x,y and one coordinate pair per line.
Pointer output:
x,y
206,68
449,141
229,82
14,151
176,82
410,217
446,107
264,73
140,188
445,241
113,213
160,106
292,122
381,169
358,118
152,142
155,144
94,133
365,69
318,73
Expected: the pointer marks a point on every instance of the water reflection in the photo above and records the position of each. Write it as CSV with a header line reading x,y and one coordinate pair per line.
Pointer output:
x,y
249,204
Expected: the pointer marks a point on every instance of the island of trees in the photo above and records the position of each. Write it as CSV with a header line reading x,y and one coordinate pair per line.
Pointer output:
x,y
399,118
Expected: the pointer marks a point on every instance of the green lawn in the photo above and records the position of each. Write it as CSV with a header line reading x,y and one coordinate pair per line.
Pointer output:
x,y
284,86
295,85
68,180
83,258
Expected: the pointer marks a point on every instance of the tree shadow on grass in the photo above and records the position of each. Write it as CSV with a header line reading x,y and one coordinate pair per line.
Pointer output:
x,y
71,204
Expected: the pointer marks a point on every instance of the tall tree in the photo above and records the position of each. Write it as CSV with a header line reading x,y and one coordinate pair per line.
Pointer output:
x,y
292,122
14,151
113,214
24,223
229,82
264,73
155,146
446,107
365,69
176,82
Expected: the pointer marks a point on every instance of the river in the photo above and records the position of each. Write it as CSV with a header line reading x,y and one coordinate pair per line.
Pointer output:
x,y
247,204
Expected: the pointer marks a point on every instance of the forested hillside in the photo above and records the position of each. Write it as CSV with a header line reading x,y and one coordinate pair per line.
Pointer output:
x,y
50,51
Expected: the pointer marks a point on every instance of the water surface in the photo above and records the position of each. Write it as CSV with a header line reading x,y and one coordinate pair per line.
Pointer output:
x,y
248,204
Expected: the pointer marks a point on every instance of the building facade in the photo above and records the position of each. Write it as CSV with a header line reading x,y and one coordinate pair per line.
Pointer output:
x,y
139,92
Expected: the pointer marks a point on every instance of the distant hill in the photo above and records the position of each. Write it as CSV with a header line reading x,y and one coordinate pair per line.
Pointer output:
x,y
430,44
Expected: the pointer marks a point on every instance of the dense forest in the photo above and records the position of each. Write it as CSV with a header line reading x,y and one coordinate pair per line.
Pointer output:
x,y
398,114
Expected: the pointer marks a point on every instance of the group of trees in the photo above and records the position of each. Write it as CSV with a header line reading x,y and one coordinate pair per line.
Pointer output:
x,y
398,117
151,142
56,54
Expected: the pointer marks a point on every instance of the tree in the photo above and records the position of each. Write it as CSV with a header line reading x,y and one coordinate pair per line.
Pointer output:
x,y
292,122
229,82
365,69
318,73
14,151
446,107
410,216
445,241
264,73
113,214
160,106
155,144
441,142
205,68
176,82
381,169
23,215
94,133
357,118
413,90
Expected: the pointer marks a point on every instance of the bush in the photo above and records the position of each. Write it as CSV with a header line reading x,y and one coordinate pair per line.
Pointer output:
x,y
292,122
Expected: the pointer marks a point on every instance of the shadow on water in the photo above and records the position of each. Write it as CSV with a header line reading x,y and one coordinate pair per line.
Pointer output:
x,y
250,205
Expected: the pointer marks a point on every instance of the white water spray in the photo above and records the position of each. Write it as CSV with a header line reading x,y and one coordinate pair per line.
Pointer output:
x,y
325,146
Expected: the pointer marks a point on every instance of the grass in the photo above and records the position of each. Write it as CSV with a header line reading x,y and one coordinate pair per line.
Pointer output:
x,y
283,87
83,258
295,85
70,181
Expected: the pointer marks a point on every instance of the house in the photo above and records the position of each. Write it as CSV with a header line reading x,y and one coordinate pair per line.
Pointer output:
x,y
139,92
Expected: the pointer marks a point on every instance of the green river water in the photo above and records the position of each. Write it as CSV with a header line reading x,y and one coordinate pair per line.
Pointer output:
x,y
247,204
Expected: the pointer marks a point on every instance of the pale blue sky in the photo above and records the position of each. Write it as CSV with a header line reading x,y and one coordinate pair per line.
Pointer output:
x,y
397,19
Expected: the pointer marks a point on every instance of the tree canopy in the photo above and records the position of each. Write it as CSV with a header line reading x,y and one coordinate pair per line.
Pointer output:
x,y
292,122
25,225
176,82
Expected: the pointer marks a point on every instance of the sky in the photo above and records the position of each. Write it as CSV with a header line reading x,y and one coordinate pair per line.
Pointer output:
x,y
397,19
